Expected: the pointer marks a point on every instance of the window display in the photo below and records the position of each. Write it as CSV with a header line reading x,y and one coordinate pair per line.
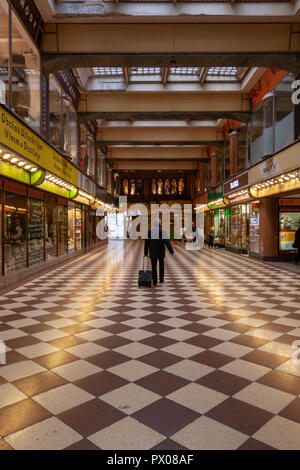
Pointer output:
x,y
15,216
227,226
62,220
26,76
254,227
50,228
71,227
240,215
78,228
35,231
219,226
289,221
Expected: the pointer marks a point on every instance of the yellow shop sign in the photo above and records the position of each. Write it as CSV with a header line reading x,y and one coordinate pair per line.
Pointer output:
x,y
22,140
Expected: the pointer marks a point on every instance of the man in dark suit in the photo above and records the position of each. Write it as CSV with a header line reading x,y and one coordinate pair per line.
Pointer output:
x,y
155,243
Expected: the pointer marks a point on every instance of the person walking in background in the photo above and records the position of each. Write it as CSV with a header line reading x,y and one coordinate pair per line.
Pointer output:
x,y
211,239
296,244
155,244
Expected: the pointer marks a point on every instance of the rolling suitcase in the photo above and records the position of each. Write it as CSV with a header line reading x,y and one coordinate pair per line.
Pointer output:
x,y
145,276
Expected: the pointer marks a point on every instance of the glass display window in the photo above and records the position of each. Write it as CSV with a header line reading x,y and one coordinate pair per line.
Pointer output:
x,y
50,228
25,76
69,123
254,227
62,221
15,230
236,226
4,55
219,226
240,215
289,221
35,231
55,113
78,228
71,227
227,226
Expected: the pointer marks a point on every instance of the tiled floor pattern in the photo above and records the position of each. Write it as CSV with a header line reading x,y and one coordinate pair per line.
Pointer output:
x,y
201,362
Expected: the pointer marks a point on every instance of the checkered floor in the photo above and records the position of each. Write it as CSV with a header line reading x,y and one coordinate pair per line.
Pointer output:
x,y
200,362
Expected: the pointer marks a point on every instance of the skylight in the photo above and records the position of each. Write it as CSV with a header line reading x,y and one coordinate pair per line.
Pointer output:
x,y
145,70
222,71
108,71
184,70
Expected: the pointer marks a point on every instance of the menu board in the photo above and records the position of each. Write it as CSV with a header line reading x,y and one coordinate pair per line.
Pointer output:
x,y
36,231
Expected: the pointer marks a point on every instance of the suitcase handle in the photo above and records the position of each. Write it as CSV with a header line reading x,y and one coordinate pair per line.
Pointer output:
x,y
144,262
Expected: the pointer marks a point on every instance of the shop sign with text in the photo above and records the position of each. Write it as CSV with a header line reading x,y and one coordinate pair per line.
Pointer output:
x,y
15,135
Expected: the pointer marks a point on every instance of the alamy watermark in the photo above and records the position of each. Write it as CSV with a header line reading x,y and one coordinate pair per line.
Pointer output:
x,y
2,353
185,226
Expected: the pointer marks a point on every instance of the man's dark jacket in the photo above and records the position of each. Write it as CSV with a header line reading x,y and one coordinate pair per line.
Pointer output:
x,y
157,246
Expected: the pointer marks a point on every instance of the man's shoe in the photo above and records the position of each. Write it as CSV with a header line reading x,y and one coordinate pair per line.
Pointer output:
x,y
154,284
161,281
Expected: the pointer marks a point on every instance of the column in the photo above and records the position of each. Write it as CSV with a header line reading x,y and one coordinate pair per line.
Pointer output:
x,y
213,169
233,140
268,240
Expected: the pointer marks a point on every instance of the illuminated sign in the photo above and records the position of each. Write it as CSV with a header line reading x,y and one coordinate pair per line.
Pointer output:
x,y
22,140
234,184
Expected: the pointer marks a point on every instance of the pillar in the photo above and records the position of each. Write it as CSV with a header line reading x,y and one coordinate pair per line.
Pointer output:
x,y
201,176
213,169
233,141
268,240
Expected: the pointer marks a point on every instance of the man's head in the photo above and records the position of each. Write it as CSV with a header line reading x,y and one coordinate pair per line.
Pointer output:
x,y
157,222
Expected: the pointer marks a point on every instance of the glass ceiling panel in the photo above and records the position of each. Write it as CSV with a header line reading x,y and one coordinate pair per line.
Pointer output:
x,y
222,71
184,70
108,71
145,70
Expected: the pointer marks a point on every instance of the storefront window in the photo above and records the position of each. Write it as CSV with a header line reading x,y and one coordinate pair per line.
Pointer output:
x,y
236,226
35,231
289,221
219,226
91,152
254,227
50,228
240,215
55,113
71,227
69,129
62,220
78,228
25,76
284,113
262,129
15,216
4,53
228,226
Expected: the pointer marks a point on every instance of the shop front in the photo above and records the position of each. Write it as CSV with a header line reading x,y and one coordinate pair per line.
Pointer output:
x,y
238,220
275,186
215,221
47,205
